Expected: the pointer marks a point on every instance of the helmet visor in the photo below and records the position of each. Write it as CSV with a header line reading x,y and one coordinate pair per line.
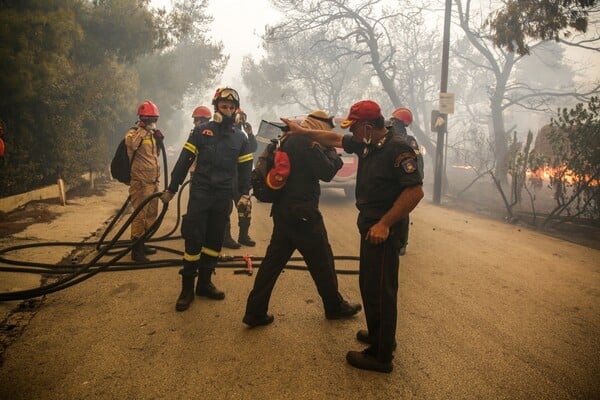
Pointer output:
x,y
148,119
229,94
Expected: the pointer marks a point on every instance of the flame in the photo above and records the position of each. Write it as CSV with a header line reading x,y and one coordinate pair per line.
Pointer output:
x,y
467,167
548,173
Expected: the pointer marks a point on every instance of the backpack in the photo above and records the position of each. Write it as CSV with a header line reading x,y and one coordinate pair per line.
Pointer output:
x,y
120,166
258,178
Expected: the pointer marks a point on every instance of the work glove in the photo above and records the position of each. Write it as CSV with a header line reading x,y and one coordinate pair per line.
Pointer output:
x,y
248,128
166,196
158,134
244,205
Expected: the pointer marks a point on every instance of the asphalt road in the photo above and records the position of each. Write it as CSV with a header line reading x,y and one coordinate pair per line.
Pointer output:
x,y
487,310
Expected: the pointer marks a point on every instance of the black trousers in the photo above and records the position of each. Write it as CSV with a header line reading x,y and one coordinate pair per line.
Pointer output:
x,y
203,228
403,226
378,280
233,205
306,233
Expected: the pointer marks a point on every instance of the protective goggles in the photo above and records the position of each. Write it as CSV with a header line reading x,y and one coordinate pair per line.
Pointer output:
x,y
227,94
326,120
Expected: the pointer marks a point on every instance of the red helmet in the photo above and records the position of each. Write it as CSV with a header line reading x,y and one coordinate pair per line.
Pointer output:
x,y
148,109
201,112
403,114
226,93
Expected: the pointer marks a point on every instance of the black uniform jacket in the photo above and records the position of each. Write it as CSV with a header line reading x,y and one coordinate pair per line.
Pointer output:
x,y
412,142
309,164
222,154
384,171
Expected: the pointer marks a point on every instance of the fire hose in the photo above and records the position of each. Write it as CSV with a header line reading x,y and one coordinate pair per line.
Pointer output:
x,y
67,274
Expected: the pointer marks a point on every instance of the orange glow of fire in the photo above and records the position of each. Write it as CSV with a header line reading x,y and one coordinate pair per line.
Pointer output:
x,y
546,173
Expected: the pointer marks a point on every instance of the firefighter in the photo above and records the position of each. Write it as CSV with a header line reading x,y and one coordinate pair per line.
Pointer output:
x,y
245,215
388,188
201,114
401,118
142,139
298,225
222,154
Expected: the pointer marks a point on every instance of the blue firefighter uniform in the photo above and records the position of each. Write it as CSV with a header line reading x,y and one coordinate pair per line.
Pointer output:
x,y
222,154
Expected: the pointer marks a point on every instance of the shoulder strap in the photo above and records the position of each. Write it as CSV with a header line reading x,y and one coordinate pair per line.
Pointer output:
x,y
280,139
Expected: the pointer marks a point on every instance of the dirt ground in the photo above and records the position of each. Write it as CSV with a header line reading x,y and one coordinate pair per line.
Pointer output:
x,y
487,309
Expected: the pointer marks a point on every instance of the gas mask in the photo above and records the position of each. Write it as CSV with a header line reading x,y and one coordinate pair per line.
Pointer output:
x,y
223,119
240,119
148,122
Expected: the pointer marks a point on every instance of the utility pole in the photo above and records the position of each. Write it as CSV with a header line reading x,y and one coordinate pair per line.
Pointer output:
x,y
442,129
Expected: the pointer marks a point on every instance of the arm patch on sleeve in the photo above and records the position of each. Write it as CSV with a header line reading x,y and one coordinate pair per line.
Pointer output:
x,y
407,161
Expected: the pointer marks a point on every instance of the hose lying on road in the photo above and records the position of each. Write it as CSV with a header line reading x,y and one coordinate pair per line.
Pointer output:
x,y
71,273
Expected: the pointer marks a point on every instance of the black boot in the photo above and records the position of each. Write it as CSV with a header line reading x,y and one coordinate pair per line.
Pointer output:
x,y
206,288
244,238
364,360
228,241
346,310
363,336
137,253
187,293
147,249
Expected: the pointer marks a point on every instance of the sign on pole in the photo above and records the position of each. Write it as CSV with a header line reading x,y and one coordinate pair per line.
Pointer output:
x,y
447,103
438,121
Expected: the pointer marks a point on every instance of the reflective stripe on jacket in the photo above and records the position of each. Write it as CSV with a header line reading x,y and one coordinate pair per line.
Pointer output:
x,y
222,159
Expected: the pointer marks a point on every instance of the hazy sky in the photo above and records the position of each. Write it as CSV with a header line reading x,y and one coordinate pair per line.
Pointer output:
x,y
249,18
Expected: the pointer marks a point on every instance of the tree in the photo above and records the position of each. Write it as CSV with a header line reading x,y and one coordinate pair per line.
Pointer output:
x,y
70,78
187,63
168,77
34,77
576,162
519,20
385,39
303,74
110,30
505,91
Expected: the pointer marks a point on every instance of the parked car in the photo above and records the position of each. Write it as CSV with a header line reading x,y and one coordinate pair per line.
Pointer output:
x,y
345,178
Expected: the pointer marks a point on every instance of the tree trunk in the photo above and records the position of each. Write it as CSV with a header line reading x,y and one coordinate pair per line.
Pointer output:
x,y
500,140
